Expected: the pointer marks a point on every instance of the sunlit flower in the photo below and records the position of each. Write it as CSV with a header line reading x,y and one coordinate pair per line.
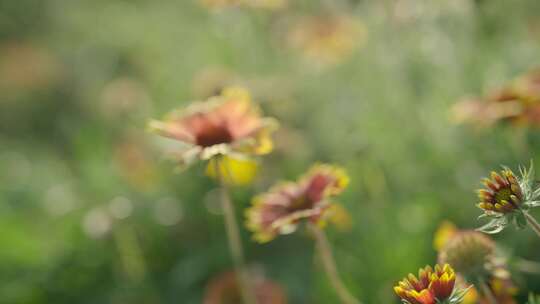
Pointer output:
x,y
432,286
228,124
506,198
280,210
224,289
327,39
472,254
518,103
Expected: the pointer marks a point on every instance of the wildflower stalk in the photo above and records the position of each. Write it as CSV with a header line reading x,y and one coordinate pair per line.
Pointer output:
x,y
487,292
532,223
235,242
325,252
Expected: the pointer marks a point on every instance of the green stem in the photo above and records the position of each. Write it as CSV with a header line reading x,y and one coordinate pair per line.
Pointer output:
x,y
532,223
325,252
130,253
235,242
527,266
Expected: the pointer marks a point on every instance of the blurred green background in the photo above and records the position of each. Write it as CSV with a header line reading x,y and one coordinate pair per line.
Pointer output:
x,y
90,212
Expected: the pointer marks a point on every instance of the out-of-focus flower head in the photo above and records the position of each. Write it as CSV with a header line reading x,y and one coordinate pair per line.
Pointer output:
x,y
506,197
517,103
473,255
24,66
432,286
468,249
124,96
257,4
280,210
327,39
444,233
228,124
224,289
135,165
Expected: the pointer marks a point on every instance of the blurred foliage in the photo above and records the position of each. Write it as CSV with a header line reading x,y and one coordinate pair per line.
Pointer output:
x,y
90,213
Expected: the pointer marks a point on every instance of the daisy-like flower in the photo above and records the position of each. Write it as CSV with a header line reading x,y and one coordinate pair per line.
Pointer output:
x,y
281,209
507,198
228,124
432,286
327,39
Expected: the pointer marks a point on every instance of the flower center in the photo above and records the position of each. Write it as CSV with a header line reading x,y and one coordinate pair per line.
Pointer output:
x,y
503,195
213,134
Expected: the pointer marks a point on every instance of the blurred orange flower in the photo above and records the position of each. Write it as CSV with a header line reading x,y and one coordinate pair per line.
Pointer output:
x,y
518,103
327,39
280,210
228,124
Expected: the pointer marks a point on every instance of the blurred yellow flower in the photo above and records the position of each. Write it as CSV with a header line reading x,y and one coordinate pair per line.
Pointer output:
x,y
443,234
327,39
232,171
339,217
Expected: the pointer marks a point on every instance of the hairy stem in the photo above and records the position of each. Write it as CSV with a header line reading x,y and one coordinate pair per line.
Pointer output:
x,y
235,242
532,223
325,252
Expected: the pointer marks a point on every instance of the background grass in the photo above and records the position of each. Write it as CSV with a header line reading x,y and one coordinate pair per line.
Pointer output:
x,y
79,80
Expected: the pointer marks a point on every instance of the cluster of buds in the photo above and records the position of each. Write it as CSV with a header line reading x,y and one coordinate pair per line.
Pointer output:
x,y
432,286
506,199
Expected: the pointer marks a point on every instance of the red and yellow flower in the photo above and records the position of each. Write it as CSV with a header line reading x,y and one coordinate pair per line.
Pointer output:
x,y
281,209
502,193
432,286
507,199
228,124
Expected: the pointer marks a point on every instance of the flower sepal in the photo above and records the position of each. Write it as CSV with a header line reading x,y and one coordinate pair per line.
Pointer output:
x,y
457,296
